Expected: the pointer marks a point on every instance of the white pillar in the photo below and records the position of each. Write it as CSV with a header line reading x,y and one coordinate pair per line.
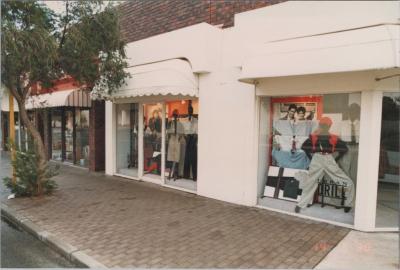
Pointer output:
x,y
110,138
368,160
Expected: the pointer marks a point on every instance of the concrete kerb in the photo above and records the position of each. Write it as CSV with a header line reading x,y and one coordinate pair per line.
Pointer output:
x,y
70,252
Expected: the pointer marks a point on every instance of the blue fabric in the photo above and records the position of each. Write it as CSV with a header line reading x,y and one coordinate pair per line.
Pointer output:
x,y
286,159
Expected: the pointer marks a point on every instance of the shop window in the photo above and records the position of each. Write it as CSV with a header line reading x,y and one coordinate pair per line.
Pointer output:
x,y
308,154
56,145
69,136
387,212
181,143
152,139
127,139
82,137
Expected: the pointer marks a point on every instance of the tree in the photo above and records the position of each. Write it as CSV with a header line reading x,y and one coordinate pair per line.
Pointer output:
x,y
41,47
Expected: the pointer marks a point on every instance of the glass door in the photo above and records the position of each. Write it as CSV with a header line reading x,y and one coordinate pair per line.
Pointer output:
x,y
82,137
56,140
152,140
127,144
69,135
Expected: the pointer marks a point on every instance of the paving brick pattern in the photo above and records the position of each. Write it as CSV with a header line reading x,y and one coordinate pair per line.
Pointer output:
x,y
125,223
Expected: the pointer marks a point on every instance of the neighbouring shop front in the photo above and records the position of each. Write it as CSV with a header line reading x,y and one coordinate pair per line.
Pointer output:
x,y
64,124
69,137
22,140
156,125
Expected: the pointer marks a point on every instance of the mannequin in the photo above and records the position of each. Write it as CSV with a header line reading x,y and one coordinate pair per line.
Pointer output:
x,y
190,166
174,144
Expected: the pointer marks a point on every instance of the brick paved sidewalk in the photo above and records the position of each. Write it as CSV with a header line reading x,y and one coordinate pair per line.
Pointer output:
x,y
124,223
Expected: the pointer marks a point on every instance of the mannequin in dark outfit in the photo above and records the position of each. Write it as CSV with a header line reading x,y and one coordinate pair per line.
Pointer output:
x,y
191,150
320,147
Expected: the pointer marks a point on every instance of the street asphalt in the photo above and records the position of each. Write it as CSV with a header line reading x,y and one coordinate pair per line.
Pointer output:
x,y
19,249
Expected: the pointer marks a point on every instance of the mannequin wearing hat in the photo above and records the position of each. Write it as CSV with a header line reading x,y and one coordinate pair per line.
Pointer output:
x,y
321,147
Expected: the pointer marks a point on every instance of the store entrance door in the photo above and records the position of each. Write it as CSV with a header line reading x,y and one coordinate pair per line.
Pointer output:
x,y
69,135
152,140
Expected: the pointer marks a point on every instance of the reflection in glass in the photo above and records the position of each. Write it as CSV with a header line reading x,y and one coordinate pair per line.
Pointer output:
x,y
82,137
56,145
387,213
127,139
152,120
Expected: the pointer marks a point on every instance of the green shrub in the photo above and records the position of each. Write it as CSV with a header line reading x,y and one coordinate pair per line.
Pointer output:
x,y
25,167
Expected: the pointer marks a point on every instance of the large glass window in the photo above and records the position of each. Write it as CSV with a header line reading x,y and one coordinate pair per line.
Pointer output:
x,y
308,154
82,137
56,144
69,135
127,139
387,212
152,137
181,143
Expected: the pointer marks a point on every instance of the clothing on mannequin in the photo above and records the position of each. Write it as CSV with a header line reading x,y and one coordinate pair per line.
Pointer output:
x,y
320,148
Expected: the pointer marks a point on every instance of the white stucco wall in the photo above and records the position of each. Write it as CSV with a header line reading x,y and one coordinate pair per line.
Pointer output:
x,y
226,127
197,43
294,19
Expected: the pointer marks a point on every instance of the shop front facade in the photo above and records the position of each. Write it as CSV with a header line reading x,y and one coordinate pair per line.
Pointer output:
x,y
156,124
327,111
305,114
63,121
19,131
69,139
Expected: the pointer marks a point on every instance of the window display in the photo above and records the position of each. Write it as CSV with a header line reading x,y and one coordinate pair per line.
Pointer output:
x,y
312,154
56,144
170,149
152,120
69,136
181,138
127,139
387,212
82,137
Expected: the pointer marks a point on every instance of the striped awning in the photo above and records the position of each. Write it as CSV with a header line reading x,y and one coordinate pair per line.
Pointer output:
x,y
70,98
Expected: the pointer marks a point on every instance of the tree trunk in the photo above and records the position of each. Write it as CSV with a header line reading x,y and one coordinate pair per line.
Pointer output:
x,y
39,146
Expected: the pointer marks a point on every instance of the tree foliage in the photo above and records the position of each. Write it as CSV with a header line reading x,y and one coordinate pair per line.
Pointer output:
x,y
25,167
41,47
